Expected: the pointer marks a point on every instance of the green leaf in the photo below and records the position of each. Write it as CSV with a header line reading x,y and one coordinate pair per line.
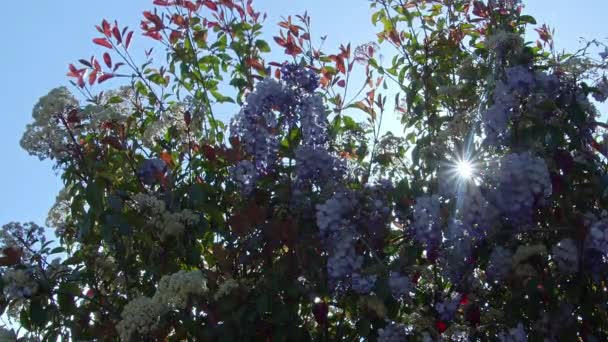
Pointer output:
x,y
37,314
57,250
94,197
221,98
262,45
527,19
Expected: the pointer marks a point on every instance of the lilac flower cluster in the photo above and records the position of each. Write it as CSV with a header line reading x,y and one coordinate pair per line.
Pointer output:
x,y
601,94
256,124
457,251
339,237
517,334
244,174
520,81
597,240
519,183
343,259
152,170
447,308
314,161
565,254
476,213
499,264
331,214
393,332
363,284
426,221
313,121
297,76
400,284
377,211
317,164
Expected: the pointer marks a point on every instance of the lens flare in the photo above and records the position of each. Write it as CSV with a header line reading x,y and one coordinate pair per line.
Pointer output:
x,y
464,168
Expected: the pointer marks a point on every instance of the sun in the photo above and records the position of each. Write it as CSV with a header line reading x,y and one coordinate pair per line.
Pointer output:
x,y
464,169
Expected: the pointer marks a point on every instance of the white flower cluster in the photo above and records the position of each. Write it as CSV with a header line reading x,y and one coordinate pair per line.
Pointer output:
x,y
225,288
174,290
169,223
503,42
142,315
45,138
56,269
20,283
117,106
139,316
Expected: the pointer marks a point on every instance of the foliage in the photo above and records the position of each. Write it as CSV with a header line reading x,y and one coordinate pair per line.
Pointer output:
x,y
481,219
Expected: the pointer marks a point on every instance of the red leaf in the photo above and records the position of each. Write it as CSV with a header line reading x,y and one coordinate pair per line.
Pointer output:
x,y
190,6
154,35
96,65
80,81
209,4
105,25
117,35
112,141
342,83
92,77
254,63
73,71
12,256
128,40
104,77
117,65
209,152
85,63
162,3
174,36
107,59
279,41
103,42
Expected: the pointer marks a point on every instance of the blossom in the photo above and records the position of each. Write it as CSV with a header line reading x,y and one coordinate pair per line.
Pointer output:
x,y
176,289
399,284
225,288
20,282
518,184
297,76
343,259
499,264
393,332
140,316
152,170
426,222
46,137
565,254
363,284
517,334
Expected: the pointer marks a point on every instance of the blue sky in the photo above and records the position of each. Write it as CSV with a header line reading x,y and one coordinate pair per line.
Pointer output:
x,y
41,40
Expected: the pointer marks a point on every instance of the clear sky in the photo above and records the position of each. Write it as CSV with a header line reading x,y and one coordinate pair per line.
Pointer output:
x,y
42,38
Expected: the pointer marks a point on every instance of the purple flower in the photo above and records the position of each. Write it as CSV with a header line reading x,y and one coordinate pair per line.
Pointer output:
x,y
152,170
499,264
297,76
363,284
518,184
393,332
426,222
400,284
